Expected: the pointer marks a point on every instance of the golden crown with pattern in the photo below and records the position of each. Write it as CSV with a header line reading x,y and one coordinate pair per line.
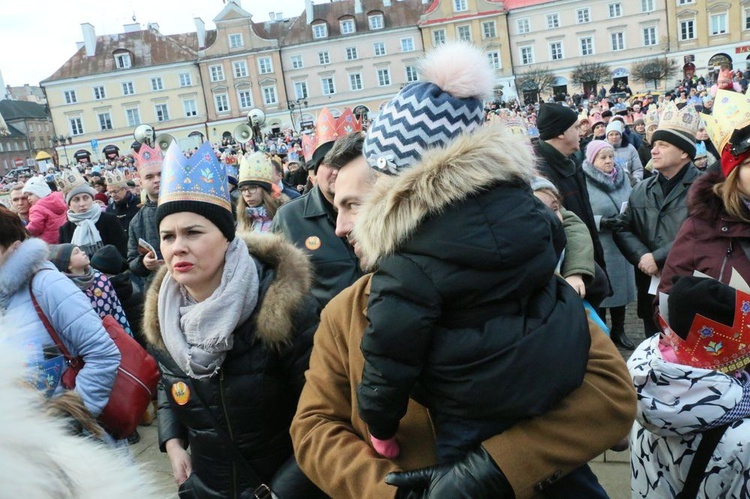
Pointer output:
x,y
256,168
652,117
115,178
68,179
731,112
683,120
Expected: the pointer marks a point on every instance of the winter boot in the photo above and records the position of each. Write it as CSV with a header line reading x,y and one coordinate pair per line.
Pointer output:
x,y
620,338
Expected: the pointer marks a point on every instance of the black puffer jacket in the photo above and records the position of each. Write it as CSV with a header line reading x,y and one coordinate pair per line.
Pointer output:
x,y
464,303
255,394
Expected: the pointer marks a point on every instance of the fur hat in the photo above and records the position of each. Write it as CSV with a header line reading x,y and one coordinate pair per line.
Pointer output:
x,y
554,119
594,147
678,127
59,255
108,260
445,103
37,186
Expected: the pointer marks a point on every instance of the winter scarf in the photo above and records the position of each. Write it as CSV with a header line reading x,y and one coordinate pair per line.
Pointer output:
x,y
258,219
199,335
86,236
83,281
607,182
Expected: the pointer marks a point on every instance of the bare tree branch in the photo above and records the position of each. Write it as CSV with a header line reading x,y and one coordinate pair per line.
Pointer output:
x,y
590,73
535,79
656,69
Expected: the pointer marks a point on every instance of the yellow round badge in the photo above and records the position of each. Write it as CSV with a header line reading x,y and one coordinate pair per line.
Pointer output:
x,y
312,243
180,393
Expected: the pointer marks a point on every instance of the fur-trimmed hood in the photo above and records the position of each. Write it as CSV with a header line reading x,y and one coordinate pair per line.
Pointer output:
x,y
702,202
20,267
274,319
444,176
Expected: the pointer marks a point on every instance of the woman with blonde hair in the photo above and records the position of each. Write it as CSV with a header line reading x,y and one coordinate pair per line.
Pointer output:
x,y
260,197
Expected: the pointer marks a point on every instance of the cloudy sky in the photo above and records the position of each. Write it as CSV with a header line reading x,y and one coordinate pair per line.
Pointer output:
x,y
38,36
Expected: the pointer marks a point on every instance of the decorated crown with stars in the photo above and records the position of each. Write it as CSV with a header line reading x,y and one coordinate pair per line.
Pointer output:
x,y
147,156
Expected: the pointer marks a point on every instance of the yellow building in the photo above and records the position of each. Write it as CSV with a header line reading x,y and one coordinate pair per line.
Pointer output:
x,y
481,22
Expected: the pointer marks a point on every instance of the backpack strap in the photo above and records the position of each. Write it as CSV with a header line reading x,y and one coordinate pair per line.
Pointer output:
x,y
702,456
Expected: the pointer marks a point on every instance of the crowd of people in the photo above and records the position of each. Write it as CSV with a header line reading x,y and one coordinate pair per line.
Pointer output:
x,y
431,307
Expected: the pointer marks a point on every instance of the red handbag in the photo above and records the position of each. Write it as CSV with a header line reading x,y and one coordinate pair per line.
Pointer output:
x,y
135,382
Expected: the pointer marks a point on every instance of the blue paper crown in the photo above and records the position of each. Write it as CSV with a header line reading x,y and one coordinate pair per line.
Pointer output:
x,y
201,178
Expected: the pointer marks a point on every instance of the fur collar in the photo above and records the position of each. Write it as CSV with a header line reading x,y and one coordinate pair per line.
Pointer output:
x,y
20,267
445,176
274,320
702,201
601,180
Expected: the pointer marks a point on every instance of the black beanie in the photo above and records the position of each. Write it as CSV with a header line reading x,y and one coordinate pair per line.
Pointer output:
x,y
677,138
554,119
691,296
219,216
108,260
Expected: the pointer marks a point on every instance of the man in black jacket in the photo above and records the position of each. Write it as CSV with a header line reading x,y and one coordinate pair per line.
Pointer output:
x,y
645,231
558,142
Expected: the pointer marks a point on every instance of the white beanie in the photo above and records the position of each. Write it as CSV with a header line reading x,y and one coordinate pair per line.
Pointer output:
x,y
37,186
614,126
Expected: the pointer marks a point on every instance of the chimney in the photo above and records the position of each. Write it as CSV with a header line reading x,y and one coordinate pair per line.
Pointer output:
x,y
89,39
79,45
200,30
132,27
309,12
272,16
279,16
357,6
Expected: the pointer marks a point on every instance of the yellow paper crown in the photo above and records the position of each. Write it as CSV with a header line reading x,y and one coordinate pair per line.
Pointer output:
x,y
68,179
115,178
256,168
731,112
683,120
652,117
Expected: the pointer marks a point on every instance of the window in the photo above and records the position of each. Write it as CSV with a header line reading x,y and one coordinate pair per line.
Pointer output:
x,y
375,21
162,112
522,26
684,2
216,72
297,62
647,5
185,80
438,36
355,81
320,31
351,53
105,121
384,77
76,126
615,10
99,93
133,116
587,45
379,48
300,90
464,33
246,98
38,127
269,95
239,69
618,41
323,57
555,51
411,74
347,27
157,84
553,21
235,40
407,44
747,19
719,24
127,88
488,30
70,97
649,36
221,101
583,15
527,55
494,59
122,61
265,65
460,6
687,29
191,109
326,84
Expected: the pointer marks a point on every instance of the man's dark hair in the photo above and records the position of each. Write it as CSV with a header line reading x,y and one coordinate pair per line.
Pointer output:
x,y
345,150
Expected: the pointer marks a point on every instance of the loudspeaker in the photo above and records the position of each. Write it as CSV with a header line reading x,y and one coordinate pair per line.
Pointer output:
x,y
163,141
243,133
144,134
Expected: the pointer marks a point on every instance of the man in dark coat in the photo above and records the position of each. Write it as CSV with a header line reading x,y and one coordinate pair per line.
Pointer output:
x,y
657,206
558,141
125,205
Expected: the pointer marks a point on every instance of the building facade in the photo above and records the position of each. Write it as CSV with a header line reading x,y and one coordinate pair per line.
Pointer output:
x,y
31,132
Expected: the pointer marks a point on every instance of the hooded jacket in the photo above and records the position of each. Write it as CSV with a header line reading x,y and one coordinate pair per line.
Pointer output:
x,y
255,393
46,216
464,297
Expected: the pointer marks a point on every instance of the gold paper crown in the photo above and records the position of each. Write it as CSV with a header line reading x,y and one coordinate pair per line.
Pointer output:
x,y
256,168
68,179
652,117
683,120
115,178
731,112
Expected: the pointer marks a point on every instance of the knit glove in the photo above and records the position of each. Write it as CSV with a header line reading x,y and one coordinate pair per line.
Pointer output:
x,y
387,448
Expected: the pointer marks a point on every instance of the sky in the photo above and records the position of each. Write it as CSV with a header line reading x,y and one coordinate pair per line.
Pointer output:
x,y
38,36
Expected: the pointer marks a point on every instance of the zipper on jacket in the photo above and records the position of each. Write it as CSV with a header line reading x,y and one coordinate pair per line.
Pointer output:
x,y
727,256
233,471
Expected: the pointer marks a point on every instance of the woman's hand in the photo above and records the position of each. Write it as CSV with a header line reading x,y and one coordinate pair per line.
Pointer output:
x,y
179,459
576,282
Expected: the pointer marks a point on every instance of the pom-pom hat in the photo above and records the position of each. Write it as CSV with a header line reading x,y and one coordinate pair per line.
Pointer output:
x,y
447,102
198,185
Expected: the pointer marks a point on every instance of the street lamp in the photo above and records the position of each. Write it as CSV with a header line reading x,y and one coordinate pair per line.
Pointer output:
x,y
63,141
300,105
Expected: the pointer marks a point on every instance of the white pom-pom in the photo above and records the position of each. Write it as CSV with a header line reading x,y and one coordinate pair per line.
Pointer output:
x,y
460,69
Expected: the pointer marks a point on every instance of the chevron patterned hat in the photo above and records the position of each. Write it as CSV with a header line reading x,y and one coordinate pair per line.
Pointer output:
x,y
446,103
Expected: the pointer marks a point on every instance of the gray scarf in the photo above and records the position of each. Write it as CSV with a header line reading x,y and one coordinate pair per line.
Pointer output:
x,y
86,236
199,335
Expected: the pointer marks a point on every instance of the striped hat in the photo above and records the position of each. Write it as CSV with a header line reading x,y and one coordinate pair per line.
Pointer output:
x,y
678,127
446,103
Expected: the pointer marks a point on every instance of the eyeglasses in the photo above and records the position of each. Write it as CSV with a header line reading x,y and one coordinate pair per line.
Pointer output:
x,y
251,189
115,191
